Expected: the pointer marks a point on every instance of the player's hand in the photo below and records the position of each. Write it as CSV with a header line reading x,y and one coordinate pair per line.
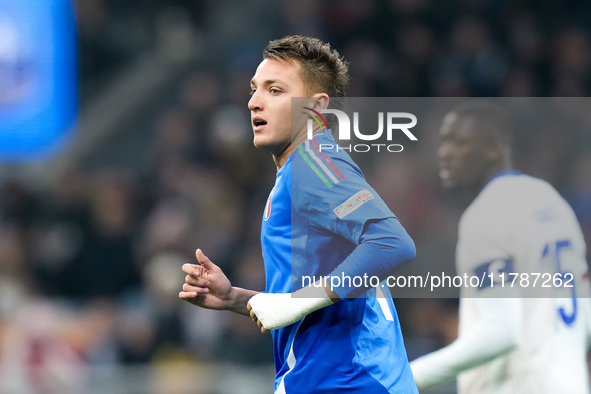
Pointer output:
x,y
255,319
272,311
206,285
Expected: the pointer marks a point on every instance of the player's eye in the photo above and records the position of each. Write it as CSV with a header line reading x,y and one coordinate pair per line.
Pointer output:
x,y
274,91
452,143
252,91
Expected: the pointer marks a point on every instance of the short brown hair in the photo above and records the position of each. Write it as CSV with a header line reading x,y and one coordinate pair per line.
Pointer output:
x,y
322,70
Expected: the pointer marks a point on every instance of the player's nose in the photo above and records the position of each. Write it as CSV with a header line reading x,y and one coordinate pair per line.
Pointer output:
x,y
443,152
255,102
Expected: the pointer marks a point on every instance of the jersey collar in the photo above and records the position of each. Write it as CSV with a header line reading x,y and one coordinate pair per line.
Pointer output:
x,y
502,174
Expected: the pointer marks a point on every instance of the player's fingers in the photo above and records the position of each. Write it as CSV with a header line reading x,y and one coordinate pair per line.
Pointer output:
x,y
187,295
253,315
199,290
197,281
204,260
192,269
264,330
248,306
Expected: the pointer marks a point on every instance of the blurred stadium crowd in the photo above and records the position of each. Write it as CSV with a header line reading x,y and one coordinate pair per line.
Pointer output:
x,y
90,260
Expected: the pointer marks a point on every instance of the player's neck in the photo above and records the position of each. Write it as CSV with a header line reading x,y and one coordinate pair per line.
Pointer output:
x,y
281,158
492,173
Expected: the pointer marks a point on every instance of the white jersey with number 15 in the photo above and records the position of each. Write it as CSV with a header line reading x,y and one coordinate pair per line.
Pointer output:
x,y
521,234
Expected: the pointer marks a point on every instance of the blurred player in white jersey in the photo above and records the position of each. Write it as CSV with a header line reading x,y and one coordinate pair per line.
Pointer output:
x,y
526,338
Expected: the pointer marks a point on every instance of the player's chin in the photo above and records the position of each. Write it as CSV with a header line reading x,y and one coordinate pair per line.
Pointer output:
x,y
450,184
261,142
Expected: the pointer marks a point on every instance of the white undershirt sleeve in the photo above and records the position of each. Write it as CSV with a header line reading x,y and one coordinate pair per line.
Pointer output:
x,y
497,332
276,310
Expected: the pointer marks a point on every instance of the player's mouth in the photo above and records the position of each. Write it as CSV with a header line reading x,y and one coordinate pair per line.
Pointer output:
x,y
445,171
258,124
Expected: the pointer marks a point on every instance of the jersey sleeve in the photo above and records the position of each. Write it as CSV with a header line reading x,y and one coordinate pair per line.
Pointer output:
x,y
496,333
329,191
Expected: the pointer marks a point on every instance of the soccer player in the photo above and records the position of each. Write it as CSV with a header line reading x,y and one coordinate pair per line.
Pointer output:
x,y
508,343
321,219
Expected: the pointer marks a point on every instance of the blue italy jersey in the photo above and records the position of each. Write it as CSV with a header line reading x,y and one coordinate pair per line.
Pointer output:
x,y
313,220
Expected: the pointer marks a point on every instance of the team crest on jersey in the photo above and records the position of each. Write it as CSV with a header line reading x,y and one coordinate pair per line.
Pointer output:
x,y
352,203
267,213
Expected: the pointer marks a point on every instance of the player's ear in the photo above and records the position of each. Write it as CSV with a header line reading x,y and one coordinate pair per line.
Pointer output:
x,y
321,101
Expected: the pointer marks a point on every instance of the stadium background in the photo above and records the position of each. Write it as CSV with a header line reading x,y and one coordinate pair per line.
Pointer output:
x,y
92,240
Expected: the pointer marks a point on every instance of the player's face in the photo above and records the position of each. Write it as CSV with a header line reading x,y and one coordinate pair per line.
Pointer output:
x,y
273,85
463,154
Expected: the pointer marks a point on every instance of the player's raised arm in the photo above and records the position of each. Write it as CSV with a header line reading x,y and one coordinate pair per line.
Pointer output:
x,y
384,244
207,286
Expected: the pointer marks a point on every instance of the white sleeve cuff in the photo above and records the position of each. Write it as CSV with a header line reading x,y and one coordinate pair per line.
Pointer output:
x,y
276,310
